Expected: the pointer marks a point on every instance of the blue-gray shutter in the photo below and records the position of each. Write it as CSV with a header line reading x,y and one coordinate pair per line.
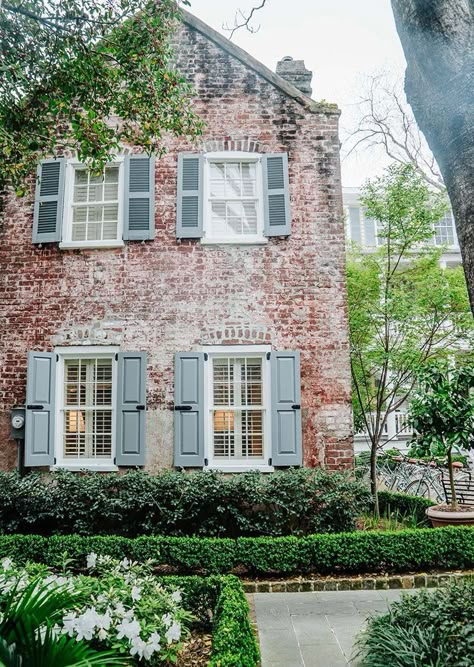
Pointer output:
x,y
276,196
189,196
286,409
131,409
40,409
189,422
139,209
49,201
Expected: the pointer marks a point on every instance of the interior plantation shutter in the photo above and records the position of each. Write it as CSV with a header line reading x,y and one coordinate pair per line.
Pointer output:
x,y
189,409
276,197
49,201
131,409
189,203
286,409
40,409
139,209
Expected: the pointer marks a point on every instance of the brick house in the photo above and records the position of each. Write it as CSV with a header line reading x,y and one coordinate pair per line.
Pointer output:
x,y
188,311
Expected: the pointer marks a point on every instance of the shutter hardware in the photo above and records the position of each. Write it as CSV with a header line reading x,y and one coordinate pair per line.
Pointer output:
x,y
269,462
139,407
206,462
268,356
296,406
115,460
35,407
116,356
183,407
206,356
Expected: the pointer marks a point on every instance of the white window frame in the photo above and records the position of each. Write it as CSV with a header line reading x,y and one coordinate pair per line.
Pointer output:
x,y
362,224
238,465
243,239
67,242
77,352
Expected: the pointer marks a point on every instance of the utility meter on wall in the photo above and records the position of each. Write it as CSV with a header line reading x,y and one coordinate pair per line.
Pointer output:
x,y
17,422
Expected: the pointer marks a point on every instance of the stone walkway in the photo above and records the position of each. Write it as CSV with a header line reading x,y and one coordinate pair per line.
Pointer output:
x,y
314,629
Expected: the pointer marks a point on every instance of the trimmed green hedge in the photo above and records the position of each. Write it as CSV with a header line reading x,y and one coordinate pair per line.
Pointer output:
x,y
404,505
399,551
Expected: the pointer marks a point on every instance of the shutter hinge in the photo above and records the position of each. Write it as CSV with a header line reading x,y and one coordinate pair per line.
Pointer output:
x,y
206,462
116,356
57,357
268,356
206,356
270,462
115,460
54,461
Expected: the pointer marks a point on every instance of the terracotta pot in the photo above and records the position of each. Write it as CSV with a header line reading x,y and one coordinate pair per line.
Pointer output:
x,y
440,515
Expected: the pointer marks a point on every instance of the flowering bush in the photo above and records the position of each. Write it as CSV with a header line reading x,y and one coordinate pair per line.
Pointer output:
x,y
122,607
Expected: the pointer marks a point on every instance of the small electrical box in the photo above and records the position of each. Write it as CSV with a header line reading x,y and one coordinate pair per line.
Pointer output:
x,y
17,422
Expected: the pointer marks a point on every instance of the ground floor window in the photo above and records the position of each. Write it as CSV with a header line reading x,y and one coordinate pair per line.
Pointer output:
x,y
237,407
85,409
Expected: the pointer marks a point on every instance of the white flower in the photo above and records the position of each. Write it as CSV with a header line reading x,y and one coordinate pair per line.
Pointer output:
x,y
69,623
136,593
86,623
91,560
120,609
7,563
102,634
129,629
125,563
173,633
103,621
176,596
153,644
138,647
167,620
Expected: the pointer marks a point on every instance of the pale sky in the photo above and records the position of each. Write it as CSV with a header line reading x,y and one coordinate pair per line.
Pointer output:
x,y
341,41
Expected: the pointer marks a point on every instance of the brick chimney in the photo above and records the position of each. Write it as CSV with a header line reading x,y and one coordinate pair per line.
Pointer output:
x,y
296,73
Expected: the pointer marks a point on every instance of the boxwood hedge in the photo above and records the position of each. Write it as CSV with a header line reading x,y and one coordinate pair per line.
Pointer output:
x,y
356,552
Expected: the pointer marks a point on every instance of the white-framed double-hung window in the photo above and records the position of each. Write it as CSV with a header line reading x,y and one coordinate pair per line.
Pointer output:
x,y
85,412
93,206
233,210
238,427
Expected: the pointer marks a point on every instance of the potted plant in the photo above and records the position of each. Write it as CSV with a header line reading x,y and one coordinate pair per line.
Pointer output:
x,y
442,416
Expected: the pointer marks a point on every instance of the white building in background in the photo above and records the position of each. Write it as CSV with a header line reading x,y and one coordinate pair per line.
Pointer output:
x,y
363,230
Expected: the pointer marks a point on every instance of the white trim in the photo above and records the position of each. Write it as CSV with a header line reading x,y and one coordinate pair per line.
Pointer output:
x,y
73,352
238,465
66,235
234,239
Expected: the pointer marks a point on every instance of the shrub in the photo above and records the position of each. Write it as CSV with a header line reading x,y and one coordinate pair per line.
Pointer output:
x,y
400,551
297,501
403,505
428,628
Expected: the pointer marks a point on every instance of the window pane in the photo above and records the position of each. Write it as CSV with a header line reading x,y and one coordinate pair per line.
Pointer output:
x,y
98,220
369,231
354,224
88,430
233,195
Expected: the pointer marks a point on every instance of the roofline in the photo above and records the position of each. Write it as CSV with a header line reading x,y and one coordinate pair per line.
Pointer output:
x,y
249,61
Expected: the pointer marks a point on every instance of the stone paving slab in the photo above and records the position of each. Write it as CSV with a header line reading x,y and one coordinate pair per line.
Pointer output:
x,y
315,629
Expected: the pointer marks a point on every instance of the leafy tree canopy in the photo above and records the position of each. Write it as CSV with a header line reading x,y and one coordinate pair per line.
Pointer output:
x,y
87,76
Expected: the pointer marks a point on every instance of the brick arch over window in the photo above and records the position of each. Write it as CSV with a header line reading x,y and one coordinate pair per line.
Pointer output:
x,y
231,143
236,334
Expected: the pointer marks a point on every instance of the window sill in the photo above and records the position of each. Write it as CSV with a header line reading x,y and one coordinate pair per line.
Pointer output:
x,y
256,241
240,468
91,467
95,245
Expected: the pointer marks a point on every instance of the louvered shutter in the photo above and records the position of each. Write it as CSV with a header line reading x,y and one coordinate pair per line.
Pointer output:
x,y
286,409
276,195
189,196
49,201
40,409
189,409
139,209
131,409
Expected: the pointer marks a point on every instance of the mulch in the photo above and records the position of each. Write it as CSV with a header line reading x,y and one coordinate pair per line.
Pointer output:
x,y
197,650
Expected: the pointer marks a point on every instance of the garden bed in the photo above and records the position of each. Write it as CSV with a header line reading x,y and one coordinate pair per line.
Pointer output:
x,y
408,550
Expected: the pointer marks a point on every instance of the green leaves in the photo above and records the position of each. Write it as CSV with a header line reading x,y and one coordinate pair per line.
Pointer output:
x,y
87,76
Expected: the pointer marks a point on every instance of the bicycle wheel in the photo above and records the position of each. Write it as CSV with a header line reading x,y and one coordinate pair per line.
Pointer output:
x,y
419,487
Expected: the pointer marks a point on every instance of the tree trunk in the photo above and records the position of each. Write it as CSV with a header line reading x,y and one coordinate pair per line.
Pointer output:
x,y
454,500
438,40
373,478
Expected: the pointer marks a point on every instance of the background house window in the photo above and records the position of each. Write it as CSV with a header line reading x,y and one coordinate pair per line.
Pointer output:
x,y
95,205
234,202
444,230
237,408
88,409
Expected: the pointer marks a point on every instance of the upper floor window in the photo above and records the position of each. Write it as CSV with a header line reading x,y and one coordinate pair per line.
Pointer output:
x,y
93,205
360,228
80,209
234,209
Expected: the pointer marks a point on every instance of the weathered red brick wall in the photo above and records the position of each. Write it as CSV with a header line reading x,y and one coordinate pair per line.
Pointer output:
x,y
163,296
